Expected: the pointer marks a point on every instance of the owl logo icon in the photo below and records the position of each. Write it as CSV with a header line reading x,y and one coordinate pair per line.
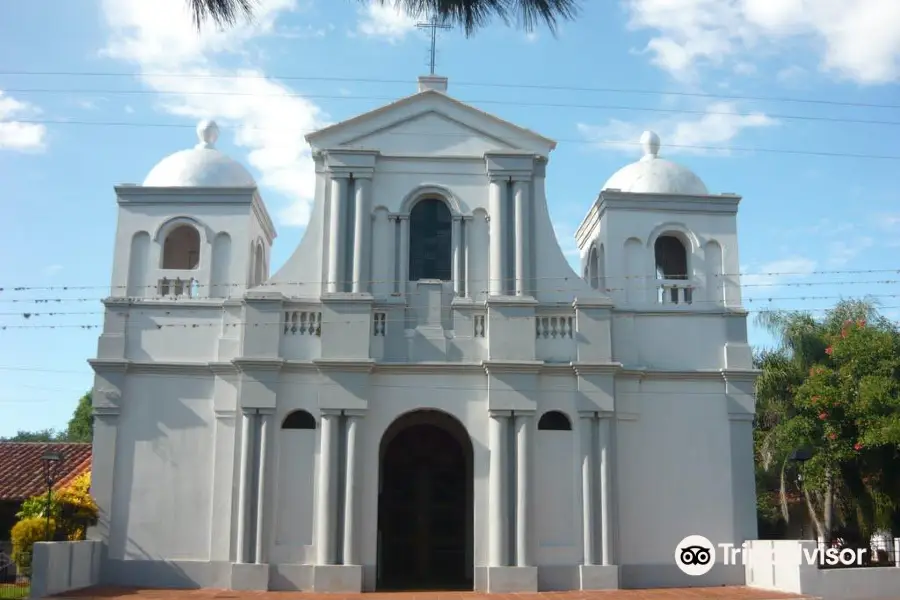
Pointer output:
x,y
695,555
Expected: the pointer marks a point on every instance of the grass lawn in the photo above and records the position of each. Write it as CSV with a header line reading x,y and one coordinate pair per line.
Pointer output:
x,y
13,590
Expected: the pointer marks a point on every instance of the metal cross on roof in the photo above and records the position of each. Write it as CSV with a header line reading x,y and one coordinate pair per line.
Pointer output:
x,y
433,25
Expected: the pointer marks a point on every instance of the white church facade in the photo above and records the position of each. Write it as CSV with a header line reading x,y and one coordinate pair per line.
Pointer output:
x,y
425,395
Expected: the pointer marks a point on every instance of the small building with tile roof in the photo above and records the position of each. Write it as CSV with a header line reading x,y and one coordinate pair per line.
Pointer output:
x,y
22,474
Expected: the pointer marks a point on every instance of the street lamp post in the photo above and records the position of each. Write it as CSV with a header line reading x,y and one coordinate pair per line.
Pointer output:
x,y
800,456
51,461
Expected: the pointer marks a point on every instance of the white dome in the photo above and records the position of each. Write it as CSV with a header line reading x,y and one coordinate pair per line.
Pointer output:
x,y
200,166
655,175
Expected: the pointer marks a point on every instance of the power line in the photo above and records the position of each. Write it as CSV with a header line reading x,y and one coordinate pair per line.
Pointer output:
x,y
457,135
186,306
406,82
304,320
467,101
17,288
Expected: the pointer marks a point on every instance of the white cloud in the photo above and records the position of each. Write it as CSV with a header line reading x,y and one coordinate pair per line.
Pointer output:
x,y
858,39
763,277
719,125
385,21
160,39
842,252
20,135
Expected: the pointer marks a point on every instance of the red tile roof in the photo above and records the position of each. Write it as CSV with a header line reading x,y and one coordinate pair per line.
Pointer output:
x,y
22,472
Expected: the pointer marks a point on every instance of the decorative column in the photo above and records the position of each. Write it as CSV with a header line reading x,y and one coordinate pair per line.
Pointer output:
x,y
467,277
325,491
520,200
587,485
362,221
335,229
498,501
394,270
524,425
349,548
246,478
262,480
456,247
605,520
496,205
404,253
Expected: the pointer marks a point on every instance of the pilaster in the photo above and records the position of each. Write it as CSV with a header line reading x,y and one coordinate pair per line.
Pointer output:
x,y
106,402
512,385
346,326
111,344
262,323
593,322
511,328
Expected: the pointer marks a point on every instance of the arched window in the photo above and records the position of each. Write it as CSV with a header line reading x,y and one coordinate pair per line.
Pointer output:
x,y
554,421
671,258
430,226
299,419
181,250
672,263
593,268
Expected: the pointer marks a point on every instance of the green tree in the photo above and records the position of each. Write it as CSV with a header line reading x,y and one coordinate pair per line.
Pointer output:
x,y
832,387
45,435
81,425
466,14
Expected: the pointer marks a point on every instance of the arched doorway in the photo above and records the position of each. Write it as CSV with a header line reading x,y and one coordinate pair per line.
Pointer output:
x,y
425,504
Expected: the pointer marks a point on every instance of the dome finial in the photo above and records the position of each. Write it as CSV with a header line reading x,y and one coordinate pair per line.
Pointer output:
x,y
650,145
207,133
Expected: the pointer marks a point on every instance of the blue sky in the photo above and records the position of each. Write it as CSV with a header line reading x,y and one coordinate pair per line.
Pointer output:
x,y
97,94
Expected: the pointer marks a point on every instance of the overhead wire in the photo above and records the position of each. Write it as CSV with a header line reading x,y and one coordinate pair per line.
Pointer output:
x,y
814,273
471,101
784,151
461,83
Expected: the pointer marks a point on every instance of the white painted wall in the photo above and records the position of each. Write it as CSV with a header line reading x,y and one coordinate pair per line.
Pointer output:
x,y
775,565
59,567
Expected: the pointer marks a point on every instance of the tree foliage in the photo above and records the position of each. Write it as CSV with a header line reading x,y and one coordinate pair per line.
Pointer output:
x,y
72,510
832,389
469,15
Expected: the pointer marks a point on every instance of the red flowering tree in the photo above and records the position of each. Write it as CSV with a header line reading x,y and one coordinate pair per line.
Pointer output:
x,y
844,409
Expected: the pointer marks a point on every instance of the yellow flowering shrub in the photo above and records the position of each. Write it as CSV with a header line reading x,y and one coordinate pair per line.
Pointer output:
x,y
24,534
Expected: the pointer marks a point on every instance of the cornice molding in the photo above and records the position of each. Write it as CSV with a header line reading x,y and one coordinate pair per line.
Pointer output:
x,y
169,368
299,366
341,365
517,301
109,365
750,375
585,368
604,302
495,414
662,374
223,369
502,367
262,297
347,298
106,411
245,365
676,311
429,368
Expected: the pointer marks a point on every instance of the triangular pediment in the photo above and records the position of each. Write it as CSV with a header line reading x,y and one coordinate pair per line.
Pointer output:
x,y
430,123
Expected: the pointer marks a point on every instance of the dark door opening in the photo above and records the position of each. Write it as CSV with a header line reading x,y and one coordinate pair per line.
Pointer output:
x,y
425,505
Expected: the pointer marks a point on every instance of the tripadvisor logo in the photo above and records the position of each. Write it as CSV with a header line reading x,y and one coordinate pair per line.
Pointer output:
x,y
695,555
